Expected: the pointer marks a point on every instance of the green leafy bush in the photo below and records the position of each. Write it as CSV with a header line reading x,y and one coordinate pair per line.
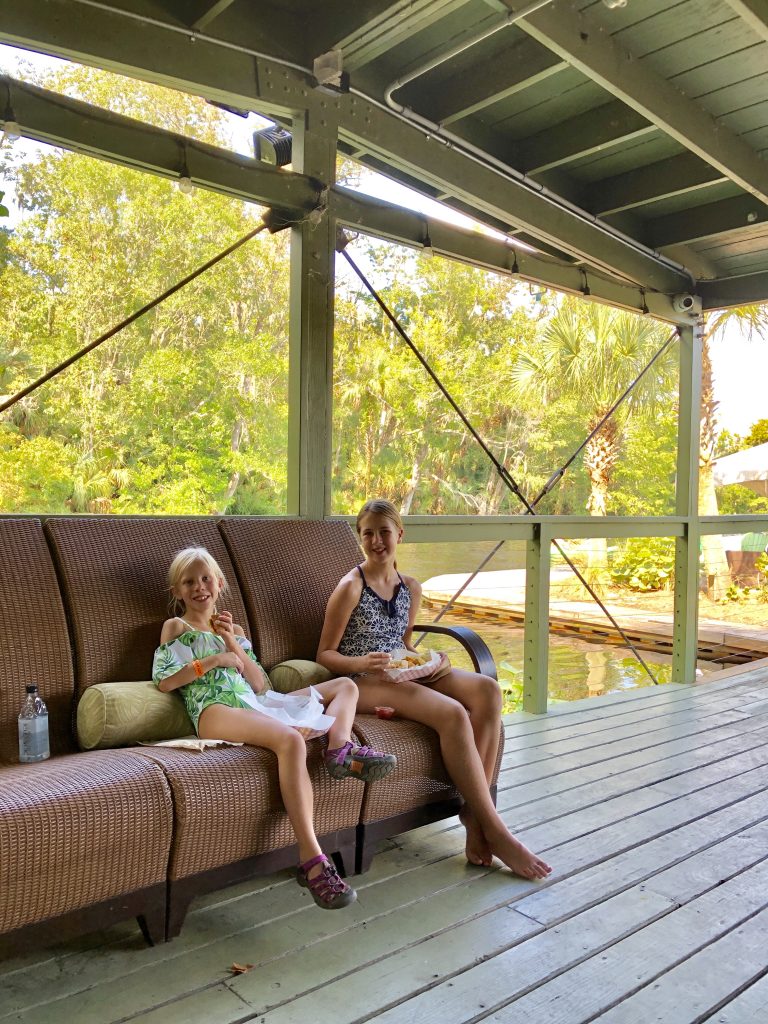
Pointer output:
x,y
511,683
736,594
762,568
644,564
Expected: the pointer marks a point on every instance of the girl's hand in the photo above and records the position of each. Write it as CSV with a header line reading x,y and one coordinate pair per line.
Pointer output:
x,y
221,622
228,659
224,627
377,661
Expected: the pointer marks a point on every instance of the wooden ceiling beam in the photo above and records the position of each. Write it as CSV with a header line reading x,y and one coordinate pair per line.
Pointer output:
x,y
501,195
673,176
587,46
582,135
391,26
208,12
706,221
723,293
754,12
504,73
84,128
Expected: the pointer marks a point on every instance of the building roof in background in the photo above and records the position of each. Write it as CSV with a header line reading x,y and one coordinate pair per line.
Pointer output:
x,y
748,468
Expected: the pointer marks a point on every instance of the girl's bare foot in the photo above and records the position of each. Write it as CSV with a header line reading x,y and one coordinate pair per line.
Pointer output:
x,y
477,850
517,857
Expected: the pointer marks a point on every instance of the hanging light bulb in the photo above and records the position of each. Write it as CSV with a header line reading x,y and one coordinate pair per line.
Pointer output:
x,y
611,4
184,181
11,131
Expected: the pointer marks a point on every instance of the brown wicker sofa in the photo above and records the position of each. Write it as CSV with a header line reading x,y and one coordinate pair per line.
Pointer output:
x,y
89,838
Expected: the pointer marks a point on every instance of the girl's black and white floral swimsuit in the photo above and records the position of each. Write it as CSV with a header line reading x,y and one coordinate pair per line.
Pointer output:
x,y
376,624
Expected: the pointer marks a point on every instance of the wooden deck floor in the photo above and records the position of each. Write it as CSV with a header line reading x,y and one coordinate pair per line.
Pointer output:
x,y
653,808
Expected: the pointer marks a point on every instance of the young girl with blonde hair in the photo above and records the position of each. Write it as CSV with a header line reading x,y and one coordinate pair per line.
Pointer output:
x,y
372,612
207,657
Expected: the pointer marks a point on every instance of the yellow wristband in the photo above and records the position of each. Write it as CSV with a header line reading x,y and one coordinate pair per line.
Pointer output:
x,y
198,667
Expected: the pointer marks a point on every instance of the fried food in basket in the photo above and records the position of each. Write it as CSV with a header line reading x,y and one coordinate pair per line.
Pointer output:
x,y
410,660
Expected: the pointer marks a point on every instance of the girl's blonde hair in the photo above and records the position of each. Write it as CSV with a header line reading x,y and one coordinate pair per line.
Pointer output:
x,y
379,507
181,564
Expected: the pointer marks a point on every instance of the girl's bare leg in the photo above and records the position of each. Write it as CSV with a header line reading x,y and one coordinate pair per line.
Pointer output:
x,y
462,761
340,699
481,696
240,725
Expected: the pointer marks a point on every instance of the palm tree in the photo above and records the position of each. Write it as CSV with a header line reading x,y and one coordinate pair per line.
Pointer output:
x,y
591,353
752,321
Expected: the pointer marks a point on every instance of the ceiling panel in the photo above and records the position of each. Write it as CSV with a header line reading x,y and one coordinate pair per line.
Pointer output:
x,y
647,110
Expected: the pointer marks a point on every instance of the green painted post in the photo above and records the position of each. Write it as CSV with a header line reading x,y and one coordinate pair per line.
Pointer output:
x,y
310,373
686,609
536,640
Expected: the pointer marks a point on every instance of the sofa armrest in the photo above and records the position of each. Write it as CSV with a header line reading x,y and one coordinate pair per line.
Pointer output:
x,y
473,644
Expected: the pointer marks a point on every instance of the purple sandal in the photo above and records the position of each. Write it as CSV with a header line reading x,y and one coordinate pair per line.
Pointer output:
x,y
351,761
326,888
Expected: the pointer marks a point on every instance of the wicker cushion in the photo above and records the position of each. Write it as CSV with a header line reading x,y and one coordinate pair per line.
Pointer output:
x,y
113,572
228,807
33,637
287,570
78,830
123,714
296,674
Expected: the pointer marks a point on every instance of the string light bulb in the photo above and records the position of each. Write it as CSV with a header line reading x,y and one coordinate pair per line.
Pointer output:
x,y
12,131
186,187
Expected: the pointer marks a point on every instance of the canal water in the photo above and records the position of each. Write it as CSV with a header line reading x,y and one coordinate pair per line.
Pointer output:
x,y
577,668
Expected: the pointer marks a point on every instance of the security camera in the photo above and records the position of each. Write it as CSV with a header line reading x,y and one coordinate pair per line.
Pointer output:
x,y
683,303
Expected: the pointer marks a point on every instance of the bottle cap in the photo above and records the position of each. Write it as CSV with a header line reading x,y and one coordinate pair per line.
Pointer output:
x,y
31,687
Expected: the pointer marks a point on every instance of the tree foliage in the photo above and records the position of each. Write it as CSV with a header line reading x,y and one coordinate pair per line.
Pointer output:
x,y
183,412
186,410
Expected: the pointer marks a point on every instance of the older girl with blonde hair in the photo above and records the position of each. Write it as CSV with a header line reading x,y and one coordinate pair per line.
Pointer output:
x,y
371,613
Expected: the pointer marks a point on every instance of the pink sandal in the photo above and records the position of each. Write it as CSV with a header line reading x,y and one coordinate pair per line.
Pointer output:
x,y
326,888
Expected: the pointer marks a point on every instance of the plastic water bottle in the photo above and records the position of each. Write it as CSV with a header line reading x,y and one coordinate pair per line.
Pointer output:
x,y
33,728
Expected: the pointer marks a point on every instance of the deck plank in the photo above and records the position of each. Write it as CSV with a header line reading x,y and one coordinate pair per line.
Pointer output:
x,y
653,807
708,978
603,981
750,1007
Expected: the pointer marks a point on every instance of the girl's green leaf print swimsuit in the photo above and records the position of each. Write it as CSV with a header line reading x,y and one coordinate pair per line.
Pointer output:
x,y
304,712
218,685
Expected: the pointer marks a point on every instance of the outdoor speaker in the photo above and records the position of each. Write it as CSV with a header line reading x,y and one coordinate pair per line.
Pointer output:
x,y
273,146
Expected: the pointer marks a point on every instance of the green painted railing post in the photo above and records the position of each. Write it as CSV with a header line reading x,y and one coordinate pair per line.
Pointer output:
x,y
536,640
310,367
686,609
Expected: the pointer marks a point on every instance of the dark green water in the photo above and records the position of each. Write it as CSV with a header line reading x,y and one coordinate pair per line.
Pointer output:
x,y
577,668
